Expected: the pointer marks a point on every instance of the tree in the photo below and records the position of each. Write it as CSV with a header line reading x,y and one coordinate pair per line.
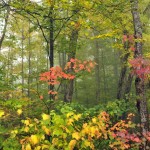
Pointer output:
x,y
139,82
6,17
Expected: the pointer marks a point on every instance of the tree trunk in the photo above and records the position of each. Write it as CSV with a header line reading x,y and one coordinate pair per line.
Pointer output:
x,y
5,26
122,76
128,86
51,45
139,82
115,66
124,60
97,72
29,62
51,42
72,52
22,59
104,73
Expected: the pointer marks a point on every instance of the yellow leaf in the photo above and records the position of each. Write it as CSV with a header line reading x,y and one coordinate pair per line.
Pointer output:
x,y
26,122
28,147
45,116
47,131
45,147
70,121
72,144
84,125
77,117
19,111
92,129
31,125
14,131
1,113
72,23
55,141
34,139
69,114
94,120
26,129
37,148
76,135
87,143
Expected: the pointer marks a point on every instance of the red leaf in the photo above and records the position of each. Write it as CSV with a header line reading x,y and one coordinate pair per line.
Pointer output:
x,y
125,38
137,140
41,97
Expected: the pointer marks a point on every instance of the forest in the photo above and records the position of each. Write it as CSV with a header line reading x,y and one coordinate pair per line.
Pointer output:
x,y
74,74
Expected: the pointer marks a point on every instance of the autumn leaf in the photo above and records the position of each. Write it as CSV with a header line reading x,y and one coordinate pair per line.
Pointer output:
x,y
47,131
45,147
34,139
1,113
26,122
70,121
76,135
28,147
137,140
77,117
41,97
94,120
72,144
45,116
70,114
19,111
26,129
38,148
86,143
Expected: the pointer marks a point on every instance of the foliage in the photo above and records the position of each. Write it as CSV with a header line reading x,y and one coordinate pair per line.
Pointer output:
x,y
68,130
141,67
29,119
56,75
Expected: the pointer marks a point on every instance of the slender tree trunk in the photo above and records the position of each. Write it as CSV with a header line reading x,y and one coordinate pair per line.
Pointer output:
x,y
64,60
8,68
104,73
72,48
5,27
62,64
97,72
29,62
115,66
139,82
60,59
122,76
128,86
22,59
11,69
51,44
124,60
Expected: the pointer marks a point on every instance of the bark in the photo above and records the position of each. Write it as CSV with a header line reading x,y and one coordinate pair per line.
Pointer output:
x,y
51,42
104,73
60,59
139,83
115,66
5,27
22,59
122,76
124,60
63,60
29,63
97,72
72,48
8,68
51,45
128,86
